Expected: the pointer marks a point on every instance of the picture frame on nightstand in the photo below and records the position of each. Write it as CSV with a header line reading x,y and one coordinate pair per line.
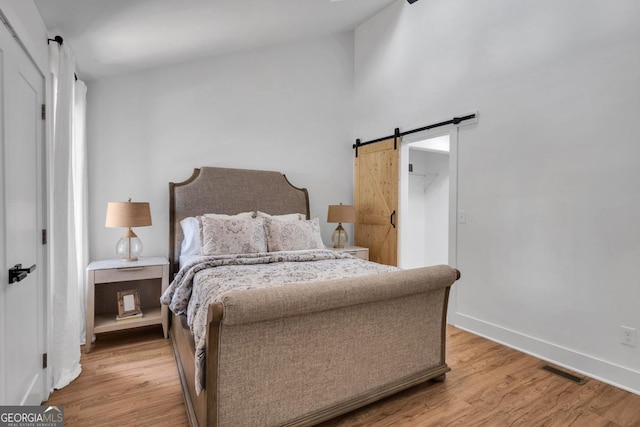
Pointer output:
x,y
129,304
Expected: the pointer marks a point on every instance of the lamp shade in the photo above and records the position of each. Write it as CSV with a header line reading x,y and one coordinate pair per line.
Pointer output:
x,y
128,214
341,213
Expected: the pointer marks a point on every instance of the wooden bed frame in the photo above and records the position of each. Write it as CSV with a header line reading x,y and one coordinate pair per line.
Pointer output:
x,y
391,308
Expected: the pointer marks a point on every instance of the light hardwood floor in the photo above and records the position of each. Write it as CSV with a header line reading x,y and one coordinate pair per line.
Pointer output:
x,y
131,380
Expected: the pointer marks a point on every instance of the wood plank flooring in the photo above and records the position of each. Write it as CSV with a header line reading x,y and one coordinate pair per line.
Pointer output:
x,y
130,379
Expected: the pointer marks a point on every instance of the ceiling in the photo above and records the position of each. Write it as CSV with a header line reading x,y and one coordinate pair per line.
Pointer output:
x,y
113,37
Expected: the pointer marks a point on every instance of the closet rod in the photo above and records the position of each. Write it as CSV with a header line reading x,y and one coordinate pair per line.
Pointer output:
x,y
454,121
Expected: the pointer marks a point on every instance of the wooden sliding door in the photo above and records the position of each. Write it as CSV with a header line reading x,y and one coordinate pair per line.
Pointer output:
x,y
376,200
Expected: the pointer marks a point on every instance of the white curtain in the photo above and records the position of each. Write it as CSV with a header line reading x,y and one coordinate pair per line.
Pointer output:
x,y
80,196
68,208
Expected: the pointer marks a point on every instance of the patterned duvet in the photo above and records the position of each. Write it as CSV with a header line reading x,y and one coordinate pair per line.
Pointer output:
x,y
206,280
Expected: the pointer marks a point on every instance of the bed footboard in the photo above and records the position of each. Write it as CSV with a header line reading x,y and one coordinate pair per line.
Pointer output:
x,y
302,354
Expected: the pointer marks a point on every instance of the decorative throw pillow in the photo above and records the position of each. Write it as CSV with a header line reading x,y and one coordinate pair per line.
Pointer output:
x,y
286,217
293,235
243,215
225,236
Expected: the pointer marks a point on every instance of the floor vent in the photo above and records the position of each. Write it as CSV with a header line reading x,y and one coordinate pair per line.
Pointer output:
x,y
564,374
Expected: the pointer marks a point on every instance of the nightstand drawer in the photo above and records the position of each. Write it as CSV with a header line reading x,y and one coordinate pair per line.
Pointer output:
x,y
356,251
128,274
362,254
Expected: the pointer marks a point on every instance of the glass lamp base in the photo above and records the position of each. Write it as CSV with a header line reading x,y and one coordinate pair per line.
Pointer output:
x,y
129,248
339,238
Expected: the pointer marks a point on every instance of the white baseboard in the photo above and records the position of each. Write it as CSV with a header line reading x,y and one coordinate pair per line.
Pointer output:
x,y
607,372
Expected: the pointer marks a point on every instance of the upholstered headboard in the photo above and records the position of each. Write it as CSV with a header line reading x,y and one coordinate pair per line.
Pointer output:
x,y
229,191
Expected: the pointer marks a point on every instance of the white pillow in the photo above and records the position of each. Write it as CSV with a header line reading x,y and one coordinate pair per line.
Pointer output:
x,y
191,241
293,235
225,236
286,217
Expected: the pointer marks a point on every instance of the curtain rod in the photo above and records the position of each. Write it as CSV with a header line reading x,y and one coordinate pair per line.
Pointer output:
x,y
397,133
59,40
56,39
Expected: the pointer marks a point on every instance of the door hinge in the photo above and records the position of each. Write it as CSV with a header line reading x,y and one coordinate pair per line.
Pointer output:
x,y
44,361
44,237
44,112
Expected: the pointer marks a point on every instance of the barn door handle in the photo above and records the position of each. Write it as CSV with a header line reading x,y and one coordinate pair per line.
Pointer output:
x,y
391,219
17,273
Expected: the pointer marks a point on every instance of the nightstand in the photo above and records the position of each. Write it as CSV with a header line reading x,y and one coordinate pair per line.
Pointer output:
x,y
149,275
356,251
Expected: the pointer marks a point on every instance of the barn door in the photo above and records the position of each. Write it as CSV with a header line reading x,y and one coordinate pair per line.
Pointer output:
x,y
376,200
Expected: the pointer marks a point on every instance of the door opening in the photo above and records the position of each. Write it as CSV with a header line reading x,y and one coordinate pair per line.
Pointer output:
x,y
425,197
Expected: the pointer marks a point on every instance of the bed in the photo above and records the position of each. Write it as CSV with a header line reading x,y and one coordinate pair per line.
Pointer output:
x,y
331,340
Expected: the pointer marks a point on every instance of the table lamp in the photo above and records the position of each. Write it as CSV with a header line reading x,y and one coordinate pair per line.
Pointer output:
x,y
128,214
340,213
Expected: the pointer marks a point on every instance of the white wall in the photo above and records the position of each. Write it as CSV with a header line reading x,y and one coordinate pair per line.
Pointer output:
x,y
287,108
548,177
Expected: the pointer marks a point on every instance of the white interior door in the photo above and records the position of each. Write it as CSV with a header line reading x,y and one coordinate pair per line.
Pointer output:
x,y
22,305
